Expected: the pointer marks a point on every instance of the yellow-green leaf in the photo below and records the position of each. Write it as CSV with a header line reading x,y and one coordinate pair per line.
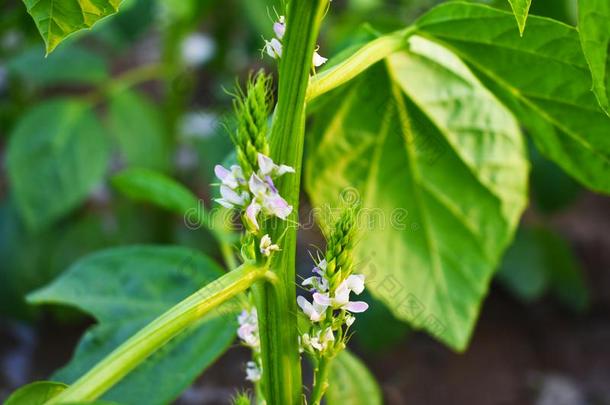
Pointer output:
x,y
594,29
520,8
440,167
57,19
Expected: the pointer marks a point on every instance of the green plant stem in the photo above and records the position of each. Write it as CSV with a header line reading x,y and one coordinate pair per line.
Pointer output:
x,y
276,304
130,354
357,63
320,384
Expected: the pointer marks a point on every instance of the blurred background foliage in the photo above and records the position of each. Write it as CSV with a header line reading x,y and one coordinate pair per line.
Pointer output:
x,y
157,76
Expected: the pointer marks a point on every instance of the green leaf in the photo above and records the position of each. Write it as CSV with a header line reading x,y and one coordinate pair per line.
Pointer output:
x,y
36,393
57,154
136,125
523,270
520,9
541,261
350,383
69,65
156,188
57,19
439,166
567,282
594,30
543,77
140,283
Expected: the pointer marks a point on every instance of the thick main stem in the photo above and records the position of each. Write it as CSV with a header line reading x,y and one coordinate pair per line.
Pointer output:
x,y
276,304
156,334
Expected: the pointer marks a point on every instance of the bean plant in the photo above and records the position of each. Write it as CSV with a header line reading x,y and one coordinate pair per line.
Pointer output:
x,y
416,163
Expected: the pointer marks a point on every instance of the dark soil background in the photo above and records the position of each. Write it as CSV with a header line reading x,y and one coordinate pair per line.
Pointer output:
x,y
520,354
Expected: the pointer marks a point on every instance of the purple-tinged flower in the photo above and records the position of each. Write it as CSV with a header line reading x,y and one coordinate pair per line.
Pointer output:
x,y
273,48
230,198
268,168
279,27
248,328
355,283
232,178
315,311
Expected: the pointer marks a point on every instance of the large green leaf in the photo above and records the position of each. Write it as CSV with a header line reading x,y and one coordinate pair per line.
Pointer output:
x,y
56,154
439,165
156,188
136,125
594,30
36,393
543,77
520,8
56,19
124,289
350,383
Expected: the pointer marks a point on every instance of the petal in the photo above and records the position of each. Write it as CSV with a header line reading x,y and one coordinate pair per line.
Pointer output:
x,y
355,283
322,299
273,48
279,27
257,186
318,60
278,206
304,305
224,202
313,280
357,306
252,212
341,294
265,164
283,169
221,172
231,196
270,184
238,173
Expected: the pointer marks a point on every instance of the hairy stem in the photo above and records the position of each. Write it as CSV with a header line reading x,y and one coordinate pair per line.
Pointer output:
x,y
357,63
276,304
148,340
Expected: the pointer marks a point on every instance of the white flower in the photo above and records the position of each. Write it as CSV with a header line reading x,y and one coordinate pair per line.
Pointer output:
x,y
231,198
253,372
355,283
318,60
273,48
280,27
266,246
268,168
318,284
321,341
248,328
233,177
315,311
349,320
266,199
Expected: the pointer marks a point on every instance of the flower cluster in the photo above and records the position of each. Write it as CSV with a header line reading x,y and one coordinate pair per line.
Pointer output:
x,y
248,334
331,310
256,195
273,47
